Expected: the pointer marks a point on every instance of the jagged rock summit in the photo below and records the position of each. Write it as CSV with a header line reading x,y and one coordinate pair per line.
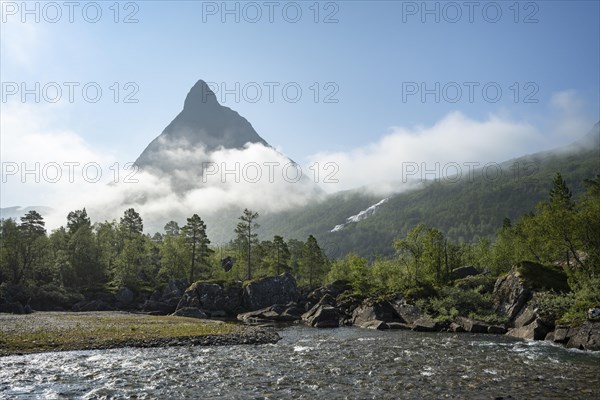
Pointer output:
x,y
202,122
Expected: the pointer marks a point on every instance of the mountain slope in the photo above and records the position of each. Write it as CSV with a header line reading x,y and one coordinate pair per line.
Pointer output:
x,y
463,211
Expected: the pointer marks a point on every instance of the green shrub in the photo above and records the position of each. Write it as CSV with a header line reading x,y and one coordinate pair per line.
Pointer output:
x,y
543,277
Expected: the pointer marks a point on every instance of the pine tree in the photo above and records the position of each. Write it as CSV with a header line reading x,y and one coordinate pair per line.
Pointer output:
x,y
195,234
245,231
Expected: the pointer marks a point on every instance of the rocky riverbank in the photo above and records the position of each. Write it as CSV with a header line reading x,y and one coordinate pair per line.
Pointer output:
x,y
509,304
63,331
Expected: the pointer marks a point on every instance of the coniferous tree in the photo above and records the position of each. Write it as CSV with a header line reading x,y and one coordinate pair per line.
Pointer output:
x,y
246,234
195,236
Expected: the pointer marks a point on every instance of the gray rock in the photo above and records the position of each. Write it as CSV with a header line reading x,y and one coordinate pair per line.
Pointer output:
x,y
586,337
190,312
212,296
322,316
408,313
398,326
454,327
471,325
496,329
525,317
277,312
463,272
510,294
536,330
268,291
333,289
561,334
425,324
375,324
369,311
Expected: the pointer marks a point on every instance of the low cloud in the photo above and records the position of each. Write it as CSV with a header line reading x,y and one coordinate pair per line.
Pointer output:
x,y
187,179
45,166
456,144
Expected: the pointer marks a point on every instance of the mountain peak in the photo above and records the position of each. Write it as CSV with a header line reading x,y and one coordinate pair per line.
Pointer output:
x,y
203,122
200,95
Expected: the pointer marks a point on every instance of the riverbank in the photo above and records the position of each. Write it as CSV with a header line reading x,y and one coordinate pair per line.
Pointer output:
x,y
64,331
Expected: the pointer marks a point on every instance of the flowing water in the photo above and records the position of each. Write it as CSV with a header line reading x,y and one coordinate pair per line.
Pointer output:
x,y
344,363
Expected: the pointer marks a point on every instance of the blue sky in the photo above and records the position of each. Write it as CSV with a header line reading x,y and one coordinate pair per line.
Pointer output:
x,y
367,59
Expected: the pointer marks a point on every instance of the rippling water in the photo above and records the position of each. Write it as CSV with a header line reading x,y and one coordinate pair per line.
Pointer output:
x,y
314,364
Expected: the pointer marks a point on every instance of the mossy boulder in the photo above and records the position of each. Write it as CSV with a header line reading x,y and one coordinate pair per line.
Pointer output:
x,y
513,292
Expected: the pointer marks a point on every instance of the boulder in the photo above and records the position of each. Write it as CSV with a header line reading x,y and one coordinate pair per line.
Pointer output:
x,y
268,291
586,336
322,316
375,324
346,308
463,272
425,324
375,311
561,334
471,325
455,327
510,294
277,312
213,296
536,330
398,326
496,330
408,313
525,317
332,289
191,312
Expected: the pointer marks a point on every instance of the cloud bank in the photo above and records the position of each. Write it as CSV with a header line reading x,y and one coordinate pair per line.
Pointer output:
x,y
190,180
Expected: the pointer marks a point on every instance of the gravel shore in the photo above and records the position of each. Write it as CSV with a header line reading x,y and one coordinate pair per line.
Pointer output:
x,y
63,331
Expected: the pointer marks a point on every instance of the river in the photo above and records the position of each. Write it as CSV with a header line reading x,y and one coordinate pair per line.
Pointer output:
x,y
344,363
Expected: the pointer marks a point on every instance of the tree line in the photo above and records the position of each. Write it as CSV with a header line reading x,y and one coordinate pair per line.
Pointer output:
x,y
86,256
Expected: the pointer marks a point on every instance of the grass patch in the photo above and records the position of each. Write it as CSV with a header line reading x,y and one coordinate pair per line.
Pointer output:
x,y
41,332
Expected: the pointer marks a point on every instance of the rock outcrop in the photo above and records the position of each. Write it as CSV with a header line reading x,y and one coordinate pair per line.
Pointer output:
x,y
324,314
585,337
265,292
213,297
535,330
511,294
368,313
278,313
